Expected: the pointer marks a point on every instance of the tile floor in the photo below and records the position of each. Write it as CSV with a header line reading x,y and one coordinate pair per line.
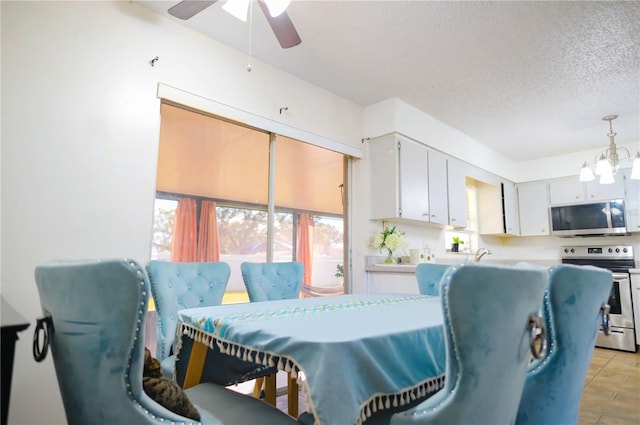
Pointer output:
x,y
612,389
611,395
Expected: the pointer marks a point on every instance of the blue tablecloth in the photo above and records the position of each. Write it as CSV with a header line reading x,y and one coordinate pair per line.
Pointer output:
x,y
359,353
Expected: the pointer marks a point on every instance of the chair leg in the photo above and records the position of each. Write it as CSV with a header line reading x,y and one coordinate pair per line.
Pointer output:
x,y
292,394
270,389
258,387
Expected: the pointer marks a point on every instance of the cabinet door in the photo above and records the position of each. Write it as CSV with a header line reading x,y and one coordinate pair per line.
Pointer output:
x,y
457,192
397,283
632,208
635,295
438,199
414,184
566,191
384,177
510,209
605,192
533,208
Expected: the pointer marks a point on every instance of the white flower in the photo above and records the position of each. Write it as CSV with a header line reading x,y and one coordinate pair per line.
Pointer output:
x,y
389,239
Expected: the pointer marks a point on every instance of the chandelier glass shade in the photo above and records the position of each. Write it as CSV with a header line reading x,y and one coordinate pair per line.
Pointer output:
x,y
608,161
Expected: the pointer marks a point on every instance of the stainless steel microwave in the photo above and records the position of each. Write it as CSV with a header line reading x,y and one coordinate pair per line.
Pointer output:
x,y
589,219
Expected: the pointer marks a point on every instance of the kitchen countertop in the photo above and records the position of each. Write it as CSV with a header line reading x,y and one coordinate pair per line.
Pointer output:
x,y
375,264
391,268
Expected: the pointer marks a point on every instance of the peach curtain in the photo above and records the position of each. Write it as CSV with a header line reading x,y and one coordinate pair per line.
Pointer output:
x,y
304,247
183,244
208,237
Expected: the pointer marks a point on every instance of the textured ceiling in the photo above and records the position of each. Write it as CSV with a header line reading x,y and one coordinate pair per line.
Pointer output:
x,y
526,79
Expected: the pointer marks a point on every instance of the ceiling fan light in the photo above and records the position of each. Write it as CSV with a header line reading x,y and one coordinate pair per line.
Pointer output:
x,y
586,173
635,171
607,178
238,8
277,7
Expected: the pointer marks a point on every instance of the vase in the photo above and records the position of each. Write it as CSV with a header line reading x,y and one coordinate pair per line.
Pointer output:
x,y
389,259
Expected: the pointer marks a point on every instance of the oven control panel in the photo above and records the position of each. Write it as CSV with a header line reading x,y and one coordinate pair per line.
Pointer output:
x,y
597,251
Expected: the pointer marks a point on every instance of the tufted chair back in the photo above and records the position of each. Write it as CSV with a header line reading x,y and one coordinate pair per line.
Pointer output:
x,y
96,311
554,384
176,286
428,276
272,281
486,320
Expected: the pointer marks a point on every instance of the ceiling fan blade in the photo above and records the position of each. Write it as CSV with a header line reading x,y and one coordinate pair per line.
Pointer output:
x,y
188,8
282,27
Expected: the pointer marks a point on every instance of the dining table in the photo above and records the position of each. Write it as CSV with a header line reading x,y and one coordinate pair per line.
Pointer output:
x,y
359,353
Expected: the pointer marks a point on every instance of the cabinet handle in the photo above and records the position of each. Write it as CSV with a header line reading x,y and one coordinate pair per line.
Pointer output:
x,y
577,196
453,219
433,216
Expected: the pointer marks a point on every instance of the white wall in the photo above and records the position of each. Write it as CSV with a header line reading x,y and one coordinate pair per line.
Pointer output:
x,y
79,142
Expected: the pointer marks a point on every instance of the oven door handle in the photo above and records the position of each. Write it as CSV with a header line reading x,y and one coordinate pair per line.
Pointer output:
x,y
606,319
620,276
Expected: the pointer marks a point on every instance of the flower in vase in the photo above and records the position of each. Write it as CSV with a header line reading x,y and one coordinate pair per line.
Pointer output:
x,y
389,239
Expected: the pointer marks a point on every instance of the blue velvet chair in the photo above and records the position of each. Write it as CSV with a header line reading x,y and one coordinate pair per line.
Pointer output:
x,y
270,282
176,286
488,311
428,276
97,311
554,384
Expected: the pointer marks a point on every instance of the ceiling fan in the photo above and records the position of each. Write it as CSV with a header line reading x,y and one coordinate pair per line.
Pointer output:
x,y
274,11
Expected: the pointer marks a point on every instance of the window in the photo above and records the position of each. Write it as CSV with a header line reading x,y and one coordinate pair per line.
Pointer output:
x,y
216,164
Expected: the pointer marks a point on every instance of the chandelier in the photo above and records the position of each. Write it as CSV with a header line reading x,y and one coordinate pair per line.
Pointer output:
x,y
608,161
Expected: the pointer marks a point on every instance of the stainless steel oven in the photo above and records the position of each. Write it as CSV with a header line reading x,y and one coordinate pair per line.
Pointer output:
x,y
618,259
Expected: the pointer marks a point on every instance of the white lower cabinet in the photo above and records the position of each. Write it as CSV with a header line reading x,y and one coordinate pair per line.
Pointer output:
x,y
635,291
391,283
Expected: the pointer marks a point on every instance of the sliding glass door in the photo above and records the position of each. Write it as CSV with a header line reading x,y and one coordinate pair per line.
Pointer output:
x,y
213,201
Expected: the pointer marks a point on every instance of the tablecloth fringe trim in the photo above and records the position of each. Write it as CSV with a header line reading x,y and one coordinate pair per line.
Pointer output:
x,y
385,401
240,351
371,406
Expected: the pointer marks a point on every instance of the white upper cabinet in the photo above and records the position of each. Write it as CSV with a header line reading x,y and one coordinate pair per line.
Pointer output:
x,y
632,204
571,190
533,208
409,181
438,197
457,191
399,179
566,191
497,209
414,181
595,191
384,177
510,209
